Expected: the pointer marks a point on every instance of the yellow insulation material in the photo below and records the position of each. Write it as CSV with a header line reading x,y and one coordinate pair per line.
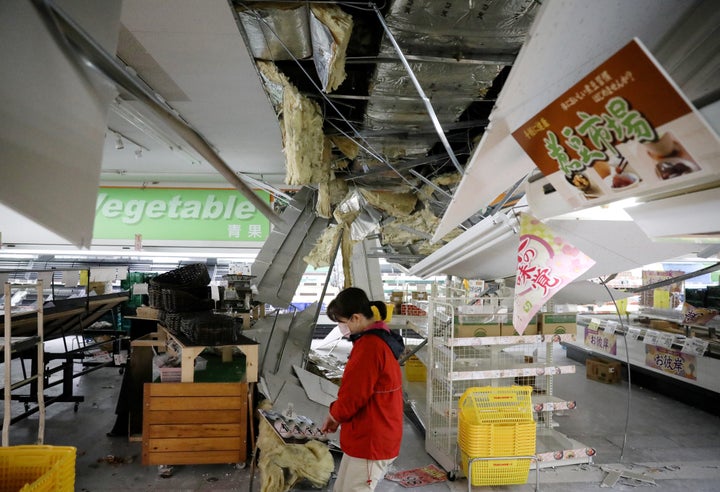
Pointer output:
x,y
329,195
283,465
346,145
395,204
304,140
322,254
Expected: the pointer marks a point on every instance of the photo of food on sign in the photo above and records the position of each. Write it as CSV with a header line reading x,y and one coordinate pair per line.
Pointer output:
x,y
667,157
607,137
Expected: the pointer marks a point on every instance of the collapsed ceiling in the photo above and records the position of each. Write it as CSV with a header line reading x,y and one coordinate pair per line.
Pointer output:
x,y
380,107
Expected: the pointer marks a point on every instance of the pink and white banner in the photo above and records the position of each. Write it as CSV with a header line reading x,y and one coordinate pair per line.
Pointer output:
x,y
546,264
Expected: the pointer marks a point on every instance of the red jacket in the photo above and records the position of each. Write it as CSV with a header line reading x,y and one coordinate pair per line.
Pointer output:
x,y
369,406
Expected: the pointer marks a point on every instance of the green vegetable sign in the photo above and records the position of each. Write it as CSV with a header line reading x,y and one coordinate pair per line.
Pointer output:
x,y
179,214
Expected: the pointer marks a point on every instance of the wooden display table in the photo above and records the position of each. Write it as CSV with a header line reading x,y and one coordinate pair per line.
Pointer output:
x,y
189,352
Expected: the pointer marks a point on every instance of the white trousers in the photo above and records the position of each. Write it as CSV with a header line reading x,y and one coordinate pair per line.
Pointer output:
x,y
359,474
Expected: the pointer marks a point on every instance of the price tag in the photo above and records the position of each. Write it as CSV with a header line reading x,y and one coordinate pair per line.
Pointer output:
x,y
594,323
139,289
694,346
610,327
633,333
651,337
665,340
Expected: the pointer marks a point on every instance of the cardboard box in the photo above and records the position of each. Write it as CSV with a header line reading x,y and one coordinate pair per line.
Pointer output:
x,y
479,319
508,330
557,323
147,312
397,297
420,296
478,330
604,371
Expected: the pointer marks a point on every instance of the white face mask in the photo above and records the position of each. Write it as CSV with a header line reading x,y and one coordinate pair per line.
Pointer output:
x,y
344,329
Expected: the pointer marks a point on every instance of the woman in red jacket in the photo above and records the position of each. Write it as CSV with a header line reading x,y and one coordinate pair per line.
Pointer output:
x,y
369,407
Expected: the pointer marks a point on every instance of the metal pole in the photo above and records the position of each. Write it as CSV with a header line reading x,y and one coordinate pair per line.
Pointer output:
x,y
416,83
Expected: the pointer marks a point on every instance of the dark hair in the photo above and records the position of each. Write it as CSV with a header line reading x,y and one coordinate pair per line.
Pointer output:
x,y
354,300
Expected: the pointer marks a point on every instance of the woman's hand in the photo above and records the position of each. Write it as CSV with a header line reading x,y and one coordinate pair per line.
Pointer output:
x,y
330,425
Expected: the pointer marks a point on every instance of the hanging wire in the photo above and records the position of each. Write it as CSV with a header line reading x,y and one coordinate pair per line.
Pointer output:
x,y
362,143
366,147
627,361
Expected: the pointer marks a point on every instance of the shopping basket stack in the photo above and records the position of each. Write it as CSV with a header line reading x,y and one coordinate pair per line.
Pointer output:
x,y
37,468
181,293
496,422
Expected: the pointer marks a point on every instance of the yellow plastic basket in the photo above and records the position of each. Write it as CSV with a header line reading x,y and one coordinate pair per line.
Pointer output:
x,y
390,308
37,469
496,472
496,421
504,439
487,404
415,371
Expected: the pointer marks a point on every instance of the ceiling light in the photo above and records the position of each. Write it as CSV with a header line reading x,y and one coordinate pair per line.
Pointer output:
x,y
119,142
152,130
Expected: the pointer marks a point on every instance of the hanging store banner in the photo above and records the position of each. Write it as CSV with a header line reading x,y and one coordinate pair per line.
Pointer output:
x,y
625,130
671,361
189,214
546,264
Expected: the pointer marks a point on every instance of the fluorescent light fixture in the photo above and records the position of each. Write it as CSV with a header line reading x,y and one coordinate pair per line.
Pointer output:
x,y
141,122
691,216
264,186
486,234
611,211
70,254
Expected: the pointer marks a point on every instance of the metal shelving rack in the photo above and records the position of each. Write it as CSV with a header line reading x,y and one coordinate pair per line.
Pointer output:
x,y
456,364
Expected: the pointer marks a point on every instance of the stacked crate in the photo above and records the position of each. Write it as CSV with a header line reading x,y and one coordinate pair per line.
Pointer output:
x,y
496,422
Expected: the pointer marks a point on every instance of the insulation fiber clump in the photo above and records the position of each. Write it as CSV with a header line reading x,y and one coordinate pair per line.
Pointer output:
x,y
304,140
322,253
283,465
330,194
396,204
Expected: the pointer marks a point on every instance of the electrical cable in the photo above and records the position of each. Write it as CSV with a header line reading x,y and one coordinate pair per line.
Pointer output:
x,y
627,361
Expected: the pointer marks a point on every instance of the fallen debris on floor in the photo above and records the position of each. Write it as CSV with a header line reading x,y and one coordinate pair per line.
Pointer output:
x,y
613,475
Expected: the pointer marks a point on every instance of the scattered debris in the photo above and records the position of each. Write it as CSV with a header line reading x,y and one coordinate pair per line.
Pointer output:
x,y
116,460
165,471
614,475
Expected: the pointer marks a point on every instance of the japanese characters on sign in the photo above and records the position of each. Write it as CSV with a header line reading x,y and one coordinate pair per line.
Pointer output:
x,y
694,346
671,361
633,333
621,130
545,264
600,340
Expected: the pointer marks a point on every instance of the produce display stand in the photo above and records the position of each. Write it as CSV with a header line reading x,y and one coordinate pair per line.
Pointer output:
x,y
189,353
